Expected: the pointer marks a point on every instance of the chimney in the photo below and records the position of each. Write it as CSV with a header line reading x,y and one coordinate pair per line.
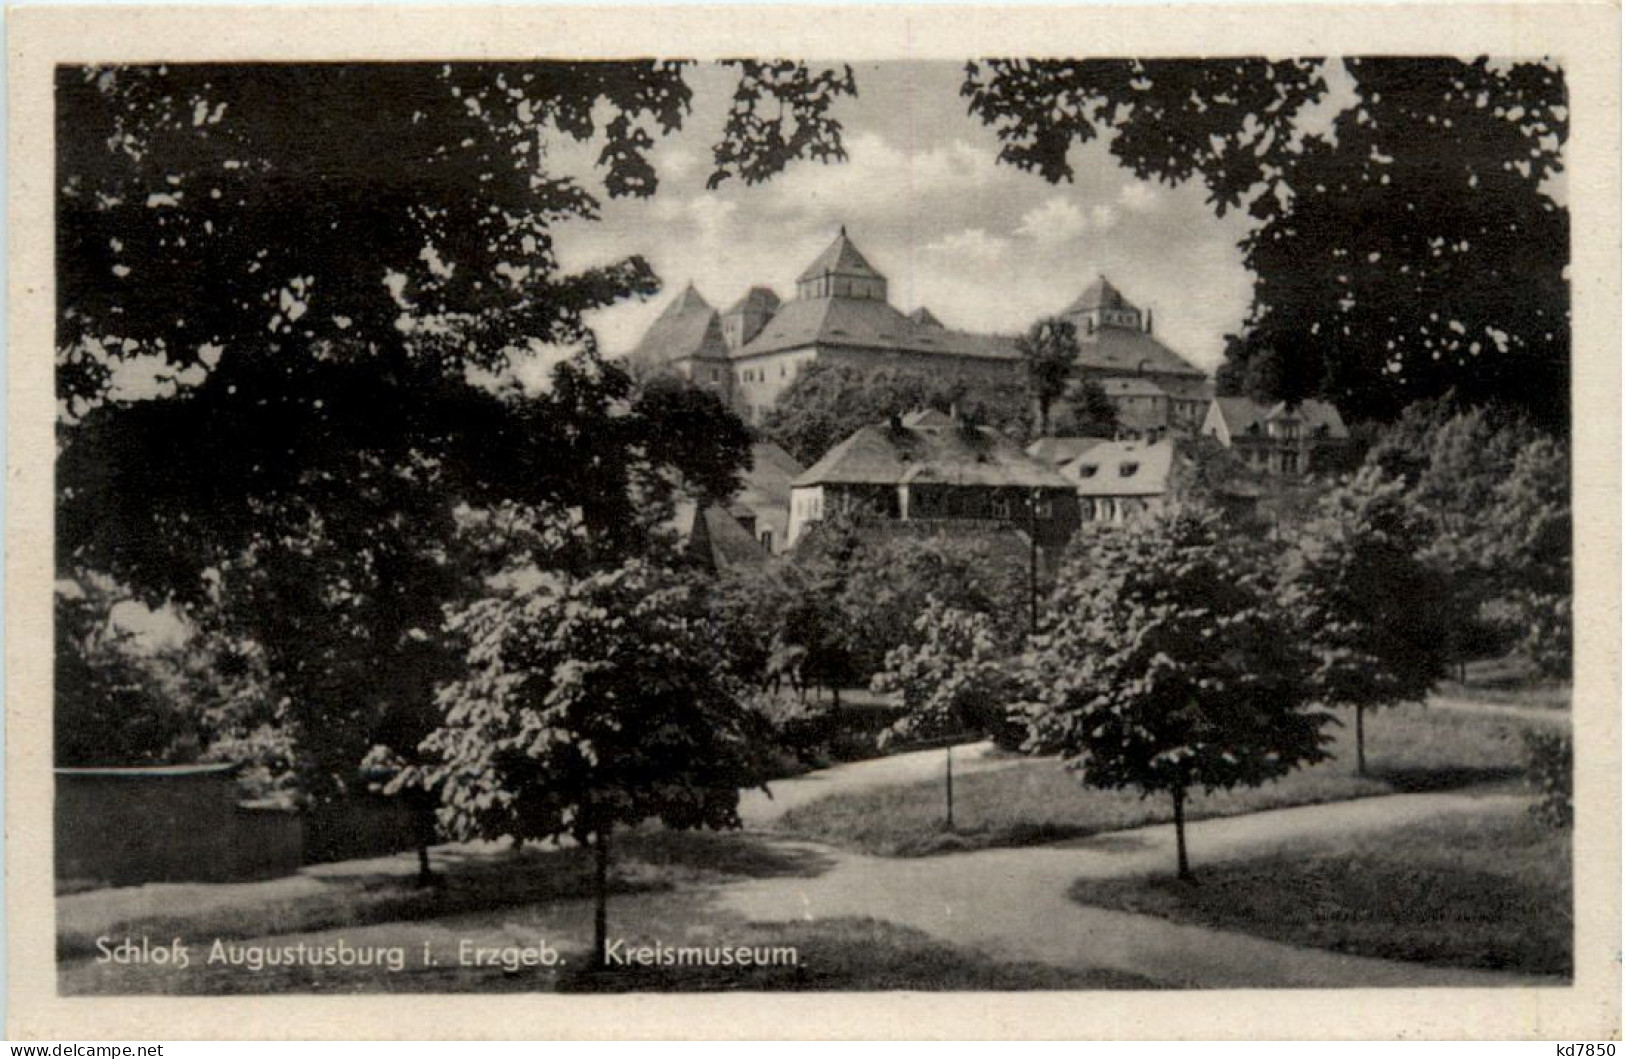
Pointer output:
x,y
1148,321
896,420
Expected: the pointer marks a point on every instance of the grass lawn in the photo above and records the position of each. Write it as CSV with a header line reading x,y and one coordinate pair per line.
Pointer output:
x,y
1493,891
1036,801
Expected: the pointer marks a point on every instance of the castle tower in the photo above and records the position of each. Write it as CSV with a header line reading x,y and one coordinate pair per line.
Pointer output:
x,y
841,272
745,318
1103,305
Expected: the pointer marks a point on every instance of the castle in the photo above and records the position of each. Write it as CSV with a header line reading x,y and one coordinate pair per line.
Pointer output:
x,y
751,352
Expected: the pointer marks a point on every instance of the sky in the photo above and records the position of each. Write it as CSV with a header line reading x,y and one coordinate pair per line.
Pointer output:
x,y
984,246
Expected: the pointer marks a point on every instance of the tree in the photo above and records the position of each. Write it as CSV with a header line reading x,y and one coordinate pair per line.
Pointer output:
x,y
1497,493
1371,607
1167,664
329,274
827,403
1088,412
590,702
1050,349
953,680
1414,249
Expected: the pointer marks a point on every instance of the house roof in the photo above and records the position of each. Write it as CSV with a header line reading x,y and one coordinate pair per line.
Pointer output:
x,y
1056,451
771,472
953,455
1242,414
1122,468
866,323
924,317
1098,295
761,299
841,258
688,327
927,417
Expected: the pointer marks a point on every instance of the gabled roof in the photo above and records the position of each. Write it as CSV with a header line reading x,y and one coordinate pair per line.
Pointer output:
x,y
842,259
1056,451
1098,295
688,327
1122,468
771,472
761,299
865,323
924,317
1242,413
886,455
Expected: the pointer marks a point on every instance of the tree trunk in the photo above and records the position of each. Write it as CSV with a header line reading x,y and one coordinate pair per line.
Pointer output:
x,y
949,786
600,913
1359,740
1179,834
423,832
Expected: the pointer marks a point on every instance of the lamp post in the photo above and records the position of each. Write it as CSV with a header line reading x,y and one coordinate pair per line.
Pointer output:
x,y
1032,553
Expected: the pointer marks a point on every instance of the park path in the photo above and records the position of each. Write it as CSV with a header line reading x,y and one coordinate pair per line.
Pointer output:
x,y
759,810
1012,904
1536,715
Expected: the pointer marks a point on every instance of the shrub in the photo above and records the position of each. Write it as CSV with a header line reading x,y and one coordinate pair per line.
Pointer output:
x,y
1550,768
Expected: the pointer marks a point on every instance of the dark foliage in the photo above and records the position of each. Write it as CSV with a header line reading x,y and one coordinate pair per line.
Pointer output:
x,y
1412,251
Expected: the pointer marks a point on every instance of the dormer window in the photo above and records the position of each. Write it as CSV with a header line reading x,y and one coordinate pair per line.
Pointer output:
x,y
1087,470
1128,470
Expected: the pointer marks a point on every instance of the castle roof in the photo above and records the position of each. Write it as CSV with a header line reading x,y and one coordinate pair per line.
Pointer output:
x,y
952,455
1128,351
761,299
866,323
841,259
688,327
1098,295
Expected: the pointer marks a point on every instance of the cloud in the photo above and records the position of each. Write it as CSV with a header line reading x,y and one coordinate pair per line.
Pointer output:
x,y
1139,197
1058,220
1102,218
973,245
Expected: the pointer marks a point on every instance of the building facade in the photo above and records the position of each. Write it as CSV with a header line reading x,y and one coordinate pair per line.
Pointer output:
x,y
1278,439
750,353
928,469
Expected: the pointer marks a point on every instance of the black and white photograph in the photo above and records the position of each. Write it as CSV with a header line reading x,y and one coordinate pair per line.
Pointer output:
x,y
654,525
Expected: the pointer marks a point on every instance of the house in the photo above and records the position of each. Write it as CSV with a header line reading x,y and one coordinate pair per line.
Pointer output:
x,y
762,505
930,470
1117,480
1280,439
